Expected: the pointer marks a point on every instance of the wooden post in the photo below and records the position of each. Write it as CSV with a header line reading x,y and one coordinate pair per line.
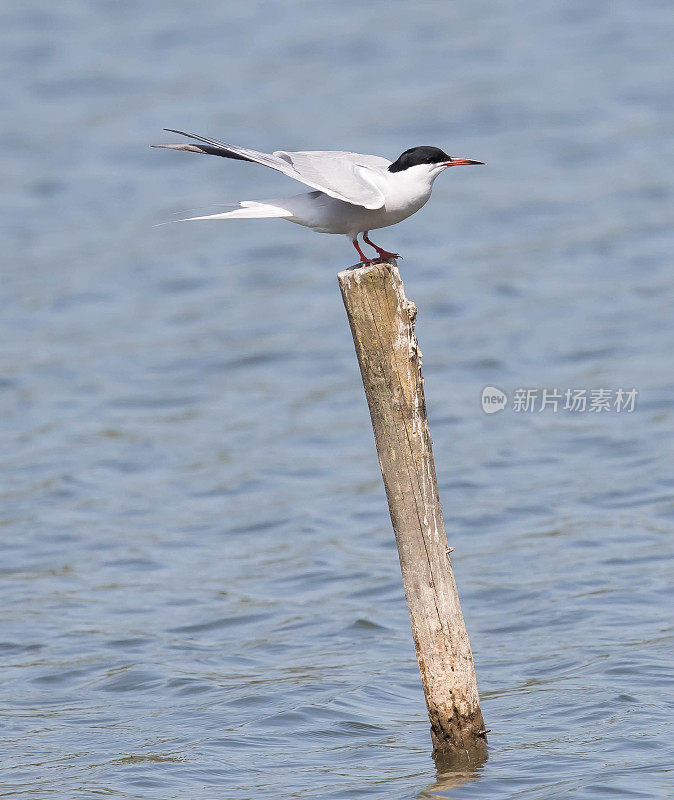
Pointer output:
x,y
382,323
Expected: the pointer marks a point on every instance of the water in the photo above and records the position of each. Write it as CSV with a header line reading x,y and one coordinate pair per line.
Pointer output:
x,y
200,587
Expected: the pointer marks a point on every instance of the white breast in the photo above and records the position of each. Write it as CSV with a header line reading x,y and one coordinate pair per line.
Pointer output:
x,y
404,192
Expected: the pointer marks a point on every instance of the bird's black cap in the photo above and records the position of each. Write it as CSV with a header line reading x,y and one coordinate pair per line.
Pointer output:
x,y
419,155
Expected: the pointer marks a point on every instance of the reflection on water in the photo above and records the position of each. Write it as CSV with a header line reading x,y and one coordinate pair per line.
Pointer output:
x,y
453,771
201,589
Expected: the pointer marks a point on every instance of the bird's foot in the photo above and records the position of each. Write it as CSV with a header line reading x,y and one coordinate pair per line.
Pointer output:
x,y
384,255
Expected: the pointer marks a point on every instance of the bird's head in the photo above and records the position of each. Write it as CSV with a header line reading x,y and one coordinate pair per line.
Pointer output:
x,y
427,162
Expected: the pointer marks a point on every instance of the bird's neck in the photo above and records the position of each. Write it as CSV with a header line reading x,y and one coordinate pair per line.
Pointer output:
x,y
412,186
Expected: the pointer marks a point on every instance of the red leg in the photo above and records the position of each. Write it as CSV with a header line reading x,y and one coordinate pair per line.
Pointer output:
x,y
382,253
363,258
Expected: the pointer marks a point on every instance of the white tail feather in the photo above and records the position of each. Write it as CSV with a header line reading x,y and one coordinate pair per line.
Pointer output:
x,y
248,209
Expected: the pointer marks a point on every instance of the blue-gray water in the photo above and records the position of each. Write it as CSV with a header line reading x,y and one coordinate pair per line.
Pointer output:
x,y
200,590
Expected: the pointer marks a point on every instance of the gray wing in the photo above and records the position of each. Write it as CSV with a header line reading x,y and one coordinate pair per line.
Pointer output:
x,y
347,175
362,160
344,176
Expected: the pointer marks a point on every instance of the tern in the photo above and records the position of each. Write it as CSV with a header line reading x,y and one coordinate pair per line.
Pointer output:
x,y
352,193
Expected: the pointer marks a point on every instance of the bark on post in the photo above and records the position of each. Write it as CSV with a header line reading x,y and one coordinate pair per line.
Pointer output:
x,y
382,323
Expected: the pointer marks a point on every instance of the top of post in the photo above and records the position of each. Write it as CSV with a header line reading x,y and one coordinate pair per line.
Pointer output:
x,y
359,271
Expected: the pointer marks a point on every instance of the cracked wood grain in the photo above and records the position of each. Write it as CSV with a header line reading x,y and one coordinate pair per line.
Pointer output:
x,y
382,324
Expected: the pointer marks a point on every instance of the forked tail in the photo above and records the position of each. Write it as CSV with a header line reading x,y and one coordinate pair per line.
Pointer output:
x,y
246,209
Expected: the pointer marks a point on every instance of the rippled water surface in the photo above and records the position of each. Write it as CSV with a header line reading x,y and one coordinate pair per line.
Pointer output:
x,y
200,589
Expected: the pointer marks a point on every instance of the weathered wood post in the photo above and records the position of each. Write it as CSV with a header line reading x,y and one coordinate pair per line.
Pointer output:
x,y
382,323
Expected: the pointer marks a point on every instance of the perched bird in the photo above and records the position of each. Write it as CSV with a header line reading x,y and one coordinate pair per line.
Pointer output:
x,y
353,194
